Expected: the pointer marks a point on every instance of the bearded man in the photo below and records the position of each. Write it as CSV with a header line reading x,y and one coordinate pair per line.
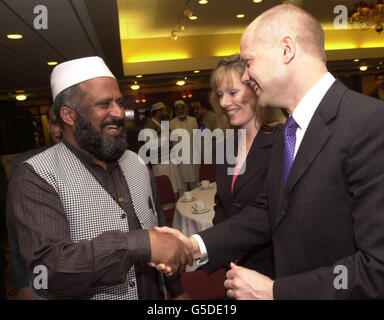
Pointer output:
x,y
84,210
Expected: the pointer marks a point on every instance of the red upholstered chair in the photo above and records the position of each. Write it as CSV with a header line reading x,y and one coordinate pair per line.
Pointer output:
x,y
208,172
201,286
166,196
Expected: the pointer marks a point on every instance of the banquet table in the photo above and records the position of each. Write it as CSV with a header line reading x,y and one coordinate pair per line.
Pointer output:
x,y
190,223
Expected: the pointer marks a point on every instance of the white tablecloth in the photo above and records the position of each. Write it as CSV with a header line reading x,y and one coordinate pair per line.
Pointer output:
x,y
189,223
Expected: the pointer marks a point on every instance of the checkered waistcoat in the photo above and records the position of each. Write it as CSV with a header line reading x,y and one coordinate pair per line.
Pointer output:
x,y
91,210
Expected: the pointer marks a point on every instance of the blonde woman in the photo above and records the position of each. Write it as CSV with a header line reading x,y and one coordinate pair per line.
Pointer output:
x,y
236,105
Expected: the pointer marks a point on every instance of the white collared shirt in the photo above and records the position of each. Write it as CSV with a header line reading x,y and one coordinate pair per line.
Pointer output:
x,y
304,111
302,114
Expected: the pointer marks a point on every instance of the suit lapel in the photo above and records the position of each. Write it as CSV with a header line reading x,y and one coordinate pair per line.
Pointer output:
x,y
262,140
314,140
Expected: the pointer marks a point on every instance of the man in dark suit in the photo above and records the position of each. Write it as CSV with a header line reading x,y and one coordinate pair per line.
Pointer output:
x,y
325,215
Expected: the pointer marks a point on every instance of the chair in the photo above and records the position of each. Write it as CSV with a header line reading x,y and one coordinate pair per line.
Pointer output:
x,y
167,197
201,286
208,172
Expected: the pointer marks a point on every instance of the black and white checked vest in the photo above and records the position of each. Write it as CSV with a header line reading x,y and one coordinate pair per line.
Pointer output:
x,y
91,210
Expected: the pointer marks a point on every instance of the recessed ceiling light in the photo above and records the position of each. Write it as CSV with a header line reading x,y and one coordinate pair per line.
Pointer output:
x,y
257,1
193,17
356,60
21,97
196,71
52,63
240,15
180,82
363,68
174,36
139,76
14,36
203,1
135,87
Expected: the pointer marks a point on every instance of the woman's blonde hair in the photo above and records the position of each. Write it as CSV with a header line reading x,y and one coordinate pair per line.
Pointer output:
x,y
234,66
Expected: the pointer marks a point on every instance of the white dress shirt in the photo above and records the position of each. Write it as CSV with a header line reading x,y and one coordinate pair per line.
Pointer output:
x,y
302,114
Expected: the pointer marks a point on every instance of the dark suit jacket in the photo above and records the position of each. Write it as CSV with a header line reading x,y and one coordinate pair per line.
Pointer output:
x,y
331,212
251,182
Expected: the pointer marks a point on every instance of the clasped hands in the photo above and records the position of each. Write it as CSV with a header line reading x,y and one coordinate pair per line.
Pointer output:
x,y
241,283
171,250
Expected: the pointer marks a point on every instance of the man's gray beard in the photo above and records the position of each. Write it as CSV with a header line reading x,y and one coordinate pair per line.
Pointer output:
x,y
96,143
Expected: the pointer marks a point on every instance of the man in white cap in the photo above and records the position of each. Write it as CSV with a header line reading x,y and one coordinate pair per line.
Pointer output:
x,y
83,211
160,143
189,172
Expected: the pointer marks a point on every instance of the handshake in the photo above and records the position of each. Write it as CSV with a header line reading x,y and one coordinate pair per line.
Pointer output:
x,y
171,250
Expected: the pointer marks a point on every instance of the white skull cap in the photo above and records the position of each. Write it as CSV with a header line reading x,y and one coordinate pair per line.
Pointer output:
x,y
72,72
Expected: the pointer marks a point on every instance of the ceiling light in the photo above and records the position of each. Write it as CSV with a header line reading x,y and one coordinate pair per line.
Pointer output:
x,y
188,13
14,36
21,97
193,17
363,68
52,63
185,78
240,15
143,100
180,27
180,82
196,71
135,87
174,35
356,60
139,76
257,1
203,1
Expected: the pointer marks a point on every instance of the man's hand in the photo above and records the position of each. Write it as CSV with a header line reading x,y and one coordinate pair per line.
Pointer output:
x,y
169,251
190,244
246,284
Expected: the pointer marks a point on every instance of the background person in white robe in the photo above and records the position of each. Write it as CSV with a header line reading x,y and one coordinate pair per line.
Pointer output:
x,y
189,172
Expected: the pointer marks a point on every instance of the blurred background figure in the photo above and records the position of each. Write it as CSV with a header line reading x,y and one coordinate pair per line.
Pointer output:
x,y
378,93
238,104
189,172
159,113
206,119
204,116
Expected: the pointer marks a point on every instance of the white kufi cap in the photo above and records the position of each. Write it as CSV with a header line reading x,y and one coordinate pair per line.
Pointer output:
x,y
75,71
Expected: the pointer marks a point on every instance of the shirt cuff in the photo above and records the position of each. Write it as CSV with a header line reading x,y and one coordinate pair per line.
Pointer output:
x,y
203,251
